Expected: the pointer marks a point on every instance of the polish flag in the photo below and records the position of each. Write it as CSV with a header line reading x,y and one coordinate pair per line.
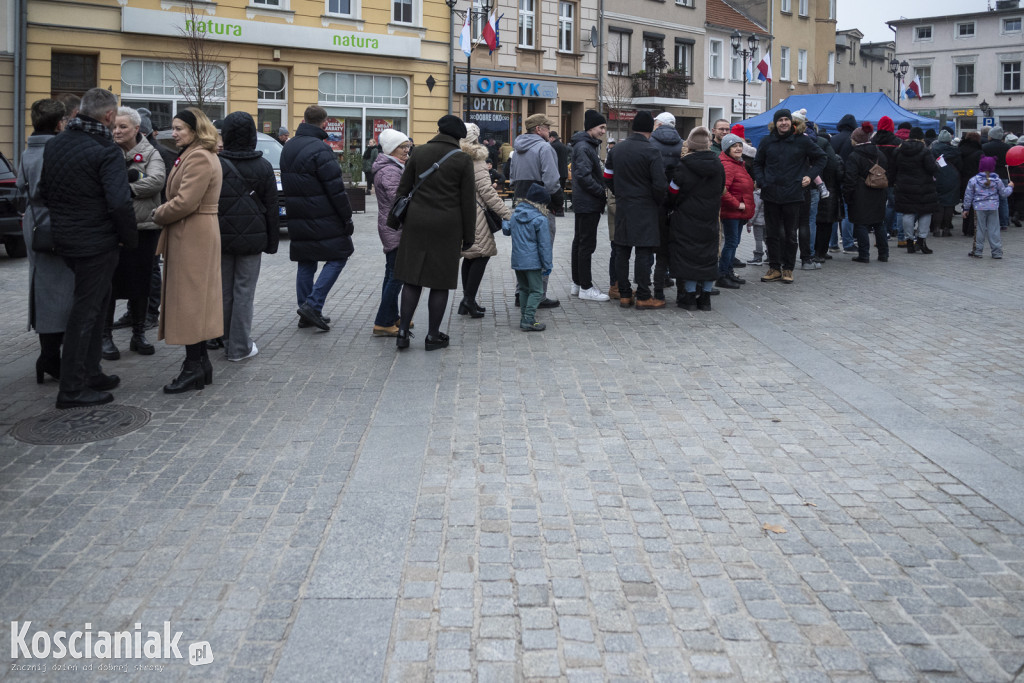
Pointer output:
x,y
914,88
466,38
491,31
764,68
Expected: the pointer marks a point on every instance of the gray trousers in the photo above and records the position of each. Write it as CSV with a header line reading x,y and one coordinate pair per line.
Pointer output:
x,y
238,276
551,227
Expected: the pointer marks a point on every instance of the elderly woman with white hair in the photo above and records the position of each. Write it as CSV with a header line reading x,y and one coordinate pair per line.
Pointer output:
x,y
146,176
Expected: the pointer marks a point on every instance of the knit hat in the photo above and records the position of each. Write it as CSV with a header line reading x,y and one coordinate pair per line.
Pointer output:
x,y
799,115
390,140
944,136
905,125
1010,139
730,140
916,133
452,126
885,123
472,133
282,131
666,119
781,113
537,194
538,120
738,129
987,165
749,151
995,133
863,134
643,122
929,134
592,119
146,124
699,139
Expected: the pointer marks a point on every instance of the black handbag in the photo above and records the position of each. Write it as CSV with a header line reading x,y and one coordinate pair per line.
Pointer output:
x,y
401,205
42,237
492,218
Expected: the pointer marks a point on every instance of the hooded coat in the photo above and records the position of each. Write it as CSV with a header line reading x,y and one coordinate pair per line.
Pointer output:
x,y
970,158
830,209
666,140
588,194
246,228
639,183
486,196
997,149
947,178
913,177
886,141
441,217
535,161
841,142
697,183
865,205
387,174
782,162
531,236
191,307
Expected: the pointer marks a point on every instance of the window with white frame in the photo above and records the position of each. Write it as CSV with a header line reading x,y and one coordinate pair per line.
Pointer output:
x,y
922,33
167,87
527,22
683,61
714,59
1011,76
270,4
479,19
336,87
784,64
803,8
735,65
924,75
566,26
271,85
965,29
1011,25
831,67
965,79
685,3
618,52
341,8
801,66
831,9
786,6
401,11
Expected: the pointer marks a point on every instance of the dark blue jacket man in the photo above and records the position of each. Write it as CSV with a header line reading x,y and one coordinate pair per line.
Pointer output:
x,y
319,216
588,202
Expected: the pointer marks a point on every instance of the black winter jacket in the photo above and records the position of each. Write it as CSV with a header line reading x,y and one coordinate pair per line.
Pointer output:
x,y
588,194
830,209
246,227
841,142
697,185
887,144
781,164
997,149
667,141
319,215
970,157
84,184
913,177
637,179
947,178
864,205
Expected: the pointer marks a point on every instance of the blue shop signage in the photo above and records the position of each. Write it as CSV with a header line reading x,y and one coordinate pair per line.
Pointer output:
x,y
501,86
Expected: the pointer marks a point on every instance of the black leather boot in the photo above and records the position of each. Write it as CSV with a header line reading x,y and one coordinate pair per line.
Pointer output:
x,y
109,350
139,344
910,246
191,377
704,301
922,246
688,302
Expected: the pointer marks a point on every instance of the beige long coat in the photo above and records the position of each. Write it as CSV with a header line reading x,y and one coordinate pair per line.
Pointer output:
x,y
191,308
486,195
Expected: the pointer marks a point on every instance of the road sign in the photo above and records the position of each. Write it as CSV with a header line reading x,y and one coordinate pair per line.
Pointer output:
x,y
988,121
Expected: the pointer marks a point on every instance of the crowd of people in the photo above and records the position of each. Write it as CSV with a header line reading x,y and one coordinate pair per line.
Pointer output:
x,y
106,205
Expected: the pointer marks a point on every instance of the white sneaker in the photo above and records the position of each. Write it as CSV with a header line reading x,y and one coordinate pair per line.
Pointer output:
x,y
251,354
593,294
574,289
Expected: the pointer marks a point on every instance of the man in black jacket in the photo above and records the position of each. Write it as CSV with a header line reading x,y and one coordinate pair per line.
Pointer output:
x,y
85,186
319,215
562,153
996,147
784,166
588,202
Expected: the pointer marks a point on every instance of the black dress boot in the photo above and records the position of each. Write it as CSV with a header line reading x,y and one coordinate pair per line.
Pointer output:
x,y
109,350
922,246
910,246
191,377
688,302
139,344
704,301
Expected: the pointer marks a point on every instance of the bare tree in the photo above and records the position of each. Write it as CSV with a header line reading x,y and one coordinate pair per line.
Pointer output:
x,y
198,75
618,89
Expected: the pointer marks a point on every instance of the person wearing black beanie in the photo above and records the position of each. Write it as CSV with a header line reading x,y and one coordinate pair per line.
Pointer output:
x,y
588,203
452,126
643,123
593,119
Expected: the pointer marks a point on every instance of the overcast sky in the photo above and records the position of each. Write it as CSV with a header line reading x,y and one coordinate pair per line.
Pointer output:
x,y
870,15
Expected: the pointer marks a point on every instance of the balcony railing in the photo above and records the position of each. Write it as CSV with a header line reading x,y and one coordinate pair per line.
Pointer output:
x,y
667,85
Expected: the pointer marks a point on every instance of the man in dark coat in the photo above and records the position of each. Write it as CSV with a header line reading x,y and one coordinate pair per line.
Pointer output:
x,y
666,140
997,147
865,205
440,223
84,184
588,202
319,216
562,153
785,164
841,140
636,176
947,182
912,174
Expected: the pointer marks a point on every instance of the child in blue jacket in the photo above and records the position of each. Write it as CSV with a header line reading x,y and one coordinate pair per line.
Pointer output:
x,y
531,252
983,193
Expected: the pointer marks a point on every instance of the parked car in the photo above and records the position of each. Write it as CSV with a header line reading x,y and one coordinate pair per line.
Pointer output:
x,y
10,216
271,149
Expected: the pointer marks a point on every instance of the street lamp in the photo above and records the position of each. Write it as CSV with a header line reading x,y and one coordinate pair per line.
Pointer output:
x,y
898,70
986,108
737,40
485,9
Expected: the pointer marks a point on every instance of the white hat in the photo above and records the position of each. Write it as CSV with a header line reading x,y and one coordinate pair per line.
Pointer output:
x,y
666,119
472,133
800,115
390,139
1010,138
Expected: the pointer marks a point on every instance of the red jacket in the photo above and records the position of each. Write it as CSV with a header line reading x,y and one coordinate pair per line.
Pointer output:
x,y
739,188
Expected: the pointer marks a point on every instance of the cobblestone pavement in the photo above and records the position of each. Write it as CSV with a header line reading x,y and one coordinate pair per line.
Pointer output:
x,y
584,504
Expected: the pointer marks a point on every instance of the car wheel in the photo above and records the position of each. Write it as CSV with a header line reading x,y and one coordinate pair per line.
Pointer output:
x,y
15,247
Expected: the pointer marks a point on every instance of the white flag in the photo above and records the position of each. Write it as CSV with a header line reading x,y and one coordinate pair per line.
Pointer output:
x,y
465,38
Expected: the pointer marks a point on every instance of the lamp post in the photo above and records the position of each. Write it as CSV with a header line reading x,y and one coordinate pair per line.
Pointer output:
x,y
737,40
485,9
897,69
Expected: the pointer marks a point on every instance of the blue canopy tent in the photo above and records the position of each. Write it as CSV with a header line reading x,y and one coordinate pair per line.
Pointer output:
x,y
826,110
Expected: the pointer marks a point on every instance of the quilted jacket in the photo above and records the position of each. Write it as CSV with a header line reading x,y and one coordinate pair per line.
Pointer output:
x,y
246,227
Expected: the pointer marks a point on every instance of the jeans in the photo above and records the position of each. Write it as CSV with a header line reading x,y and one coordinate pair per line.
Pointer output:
x,y
863,233
781,226
812,219
844,231
691,286
893,219
387,312
584,242
316,294
804,228
923,221
732,230
238,276
80,359
641,271
987,228
1004,212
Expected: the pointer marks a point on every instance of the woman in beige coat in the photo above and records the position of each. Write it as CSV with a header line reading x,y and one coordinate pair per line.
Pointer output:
x,y
474,259
191,311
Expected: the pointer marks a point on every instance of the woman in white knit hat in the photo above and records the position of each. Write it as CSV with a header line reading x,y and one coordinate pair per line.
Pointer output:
x,y
387,173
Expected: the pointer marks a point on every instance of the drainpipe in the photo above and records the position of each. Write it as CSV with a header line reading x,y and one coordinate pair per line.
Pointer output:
x,y
451,60
20,55
600,56
771,32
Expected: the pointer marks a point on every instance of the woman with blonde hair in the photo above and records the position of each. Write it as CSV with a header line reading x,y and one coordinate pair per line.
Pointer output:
x,y
191,310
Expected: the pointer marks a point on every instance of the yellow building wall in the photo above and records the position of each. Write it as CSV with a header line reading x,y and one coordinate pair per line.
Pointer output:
x,y
7,109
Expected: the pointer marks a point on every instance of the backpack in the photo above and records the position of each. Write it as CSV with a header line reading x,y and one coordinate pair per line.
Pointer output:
x,y
876,178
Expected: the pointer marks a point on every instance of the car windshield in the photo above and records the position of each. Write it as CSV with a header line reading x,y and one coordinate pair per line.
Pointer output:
x,y
271,149
7,171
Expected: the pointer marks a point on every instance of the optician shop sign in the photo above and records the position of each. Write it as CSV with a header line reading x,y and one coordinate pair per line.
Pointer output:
x,y
179,24
499,86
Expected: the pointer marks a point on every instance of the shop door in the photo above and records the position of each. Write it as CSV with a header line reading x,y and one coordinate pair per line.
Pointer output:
x,y
272,98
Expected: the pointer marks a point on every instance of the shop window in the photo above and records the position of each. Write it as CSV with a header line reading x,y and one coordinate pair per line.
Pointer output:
x,y
527,18
340,87
166,87
72,73
566,26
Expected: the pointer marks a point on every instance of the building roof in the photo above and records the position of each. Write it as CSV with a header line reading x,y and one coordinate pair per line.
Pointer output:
x,y
720,13
951,17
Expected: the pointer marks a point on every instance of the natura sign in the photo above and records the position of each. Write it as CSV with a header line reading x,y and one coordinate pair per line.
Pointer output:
x,y
177,24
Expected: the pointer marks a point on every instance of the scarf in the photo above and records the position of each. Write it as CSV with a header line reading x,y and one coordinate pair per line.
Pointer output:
x,y
90,126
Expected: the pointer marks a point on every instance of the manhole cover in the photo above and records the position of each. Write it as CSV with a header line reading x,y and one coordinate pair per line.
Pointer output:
x,y
80,425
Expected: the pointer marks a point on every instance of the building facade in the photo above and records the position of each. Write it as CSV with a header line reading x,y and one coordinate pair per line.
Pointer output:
x,y
8,46
724,87
653,60
964,61
863,67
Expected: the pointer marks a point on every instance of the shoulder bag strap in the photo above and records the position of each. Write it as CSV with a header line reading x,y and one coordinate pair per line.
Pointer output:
x,y
423,176
245,183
